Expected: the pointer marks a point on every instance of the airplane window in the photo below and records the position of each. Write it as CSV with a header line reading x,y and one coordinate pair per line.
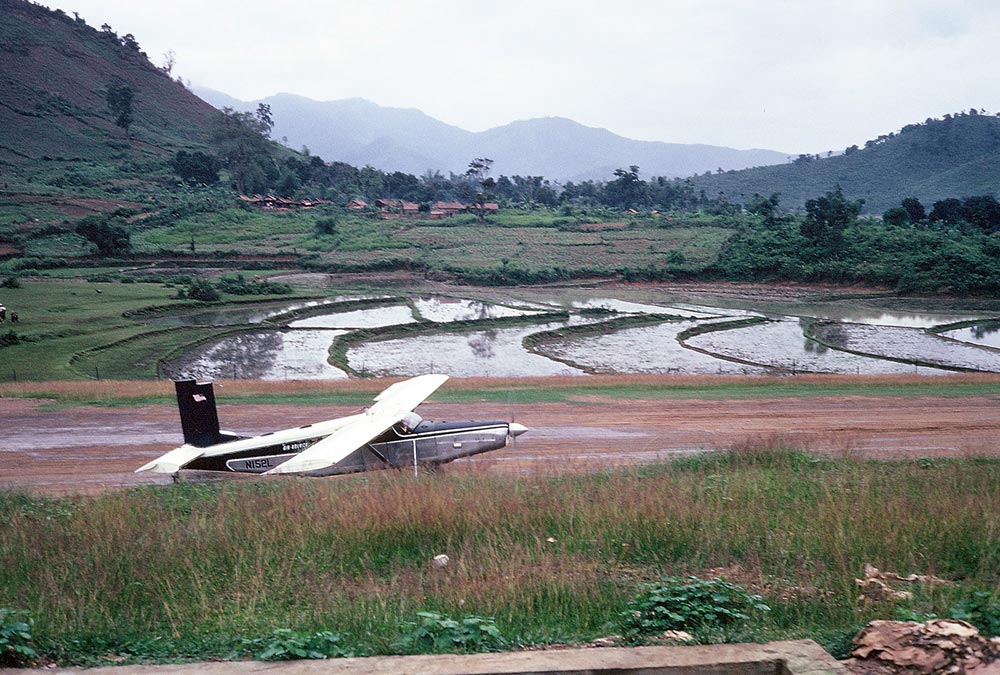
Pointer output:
x,y
410,422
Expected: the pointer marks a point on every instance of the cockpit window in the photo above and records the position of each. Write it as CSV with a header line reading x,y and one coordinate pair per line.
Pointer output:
x,y
409,422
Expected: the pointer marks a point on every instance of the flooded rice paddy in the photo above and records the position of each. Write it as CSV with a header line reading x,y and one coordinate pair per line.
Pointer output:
x,y
374,317
263,355
442,309
910,344
782,345
494,352
649,349
984,334
511,336
244,314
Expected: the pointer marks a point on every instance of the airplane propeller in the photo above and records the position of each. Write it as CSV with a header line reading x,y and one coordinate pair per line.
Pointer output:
x,y
514,430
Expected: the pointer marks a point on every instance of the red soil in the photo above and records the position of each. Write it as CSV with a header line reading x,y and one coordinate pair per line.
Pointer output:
x,y
87,449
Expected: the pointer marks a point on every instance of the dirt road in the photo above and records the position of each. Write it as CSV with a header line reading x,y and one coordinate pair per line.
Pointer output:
x,y
87,449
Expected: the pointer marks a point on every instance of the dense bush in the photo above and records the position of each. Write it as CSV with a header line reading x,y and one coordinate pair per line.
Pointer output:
x,y
30,265
197,167
690,604
285,645
434,633
982,610
240,286
203,290
15,637
326,226
928,257
110,238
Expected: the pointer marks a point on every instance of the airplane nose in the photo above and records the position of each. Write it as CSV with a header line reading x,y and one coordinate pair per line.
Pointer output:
x,y
515,429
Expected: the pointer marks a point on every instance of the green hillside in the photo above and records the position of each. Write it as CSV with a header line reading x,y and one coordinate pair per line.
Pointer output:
x,y
54,72
62,155
957,156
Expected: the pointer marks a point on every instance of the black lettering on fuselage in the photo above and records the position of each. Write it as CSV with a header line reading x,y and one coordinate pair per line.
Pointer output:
x,y
295,446
261,463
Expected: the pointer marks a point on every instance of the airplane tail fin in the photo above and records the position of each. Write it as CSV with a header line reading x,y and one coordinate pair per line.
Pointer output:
x,y
199,418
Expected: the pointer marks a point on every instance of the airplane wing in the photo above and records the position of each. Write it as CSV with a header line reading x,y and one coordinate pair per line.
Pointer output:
x,y
173,460
389,408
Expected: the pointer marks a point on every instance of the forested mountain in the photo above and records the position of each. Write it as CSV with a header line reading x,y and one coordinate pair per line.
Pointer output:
x,y
362,133
955,156
56,73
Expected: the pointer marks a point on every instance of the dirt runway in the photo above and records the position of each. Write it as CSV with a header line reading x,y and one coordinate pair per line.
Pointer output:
x,y
89,449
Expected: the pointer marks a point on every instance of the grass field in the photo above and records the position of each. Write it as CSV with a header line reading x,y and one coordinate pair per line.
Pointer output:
x,y
189,571
532,243
71,329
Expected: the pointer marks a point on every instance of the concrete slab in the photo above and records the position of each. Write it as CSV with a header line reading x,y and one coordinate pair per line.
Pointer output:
x,y
801,657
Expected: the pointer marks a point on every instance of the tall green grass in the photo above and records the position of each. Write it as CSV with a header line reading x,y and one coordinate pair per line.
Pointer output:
x,y
195,568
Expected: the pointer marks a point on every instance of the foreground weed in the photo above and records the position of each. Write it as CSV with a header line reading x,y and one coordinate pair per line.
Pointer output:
x,y
178,572
15,637
15,503
982,610
692,604
94,650
285,644
436,633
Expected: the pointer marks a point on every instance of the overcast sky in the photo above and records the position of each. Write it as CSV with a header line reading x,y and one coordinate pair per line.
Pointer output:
x,y
787,75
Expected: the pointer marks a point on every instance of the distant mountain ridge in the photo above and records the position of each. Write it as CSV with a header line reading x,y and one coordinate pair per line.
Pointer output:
x,y
956,156
361,133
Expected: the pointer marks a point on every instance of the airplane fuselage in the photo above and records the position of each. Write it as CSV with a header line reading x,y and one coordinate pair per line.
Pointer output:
x,y
388,434
429,443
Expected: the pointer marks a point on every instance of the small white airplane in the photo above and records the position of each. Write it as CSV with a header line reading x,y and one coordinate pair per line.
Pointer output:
x,y
386,435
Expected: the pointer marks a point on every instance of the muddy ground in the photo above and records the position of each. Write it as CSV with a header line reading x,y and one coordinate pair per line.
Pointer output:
x,y
89,449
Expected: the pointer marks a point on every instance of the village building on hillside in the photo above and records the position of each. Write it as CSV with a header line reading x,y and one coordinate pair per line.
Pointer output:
x,y
447,209
280,203
397,208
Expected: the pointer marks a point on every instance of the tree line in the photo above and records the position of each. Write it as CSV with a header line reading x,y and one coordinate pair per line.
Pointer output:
x,y
952,249
241,145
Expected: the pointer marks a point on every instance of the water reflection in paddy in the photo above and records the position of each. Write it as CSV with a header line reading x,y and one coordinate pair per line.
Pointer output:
x,y
650,349
372,317
903,319
782,344
264,355
623,306
707,312
302,351
909,343
443,309
231,316
485,353
986,334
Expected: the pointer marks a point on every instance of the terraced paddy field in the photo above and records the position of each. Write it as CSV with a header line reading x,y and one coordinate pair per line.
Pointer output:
x,y
620,329
334,327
